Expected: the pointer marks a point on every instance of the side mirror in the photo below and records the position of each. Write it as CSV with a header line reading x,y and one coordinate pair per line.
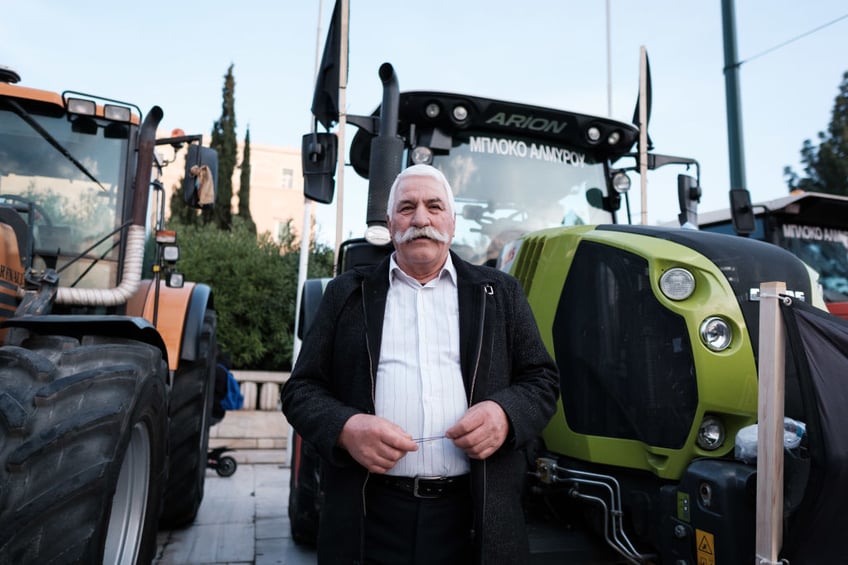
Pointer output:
x,y
688,196
742,212
318,157
201,176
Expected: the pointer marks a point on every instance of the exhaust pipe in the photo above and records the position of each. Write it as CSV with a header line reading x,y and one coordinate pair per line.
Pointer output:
x,y
386,159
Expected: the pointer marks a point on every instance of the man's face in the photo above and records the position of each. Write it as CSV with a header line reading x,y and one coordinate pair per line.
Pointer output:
x,y
421,224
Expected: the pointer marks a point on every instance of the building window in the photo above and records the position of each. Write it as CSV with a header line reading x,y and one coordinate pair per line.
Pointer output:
x,y
288,178
284,231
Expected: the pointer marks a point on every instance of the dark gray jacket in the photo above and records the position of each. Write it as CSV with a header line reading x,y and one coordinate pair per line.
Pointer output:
x,y
502,359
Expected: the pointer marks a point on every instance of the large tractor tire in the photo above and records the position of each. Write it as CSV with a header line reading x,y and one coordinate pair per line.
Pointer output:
x,y
191,416
83,434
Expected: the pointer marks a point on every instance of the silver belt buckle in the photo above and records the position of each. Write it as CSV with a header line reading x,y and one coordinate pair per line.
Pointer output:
x,y
417,494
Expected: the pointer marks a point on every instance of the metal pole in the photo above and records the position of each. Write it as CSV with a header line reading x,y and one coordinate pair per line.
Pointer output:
x,y
342,122
308,210
735,143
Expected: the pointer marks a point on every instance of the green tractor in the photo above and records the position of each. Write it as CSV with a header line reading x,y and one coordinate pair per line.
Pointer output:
x,y
654,329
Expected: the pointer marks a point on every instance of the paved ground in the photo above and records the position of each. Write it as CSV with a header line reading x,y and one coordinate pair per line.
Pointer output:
x,y
242,519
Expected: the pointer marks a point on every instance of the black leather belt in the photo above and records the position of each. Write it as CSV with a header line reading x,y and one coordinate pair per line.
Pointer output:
x,y
425,487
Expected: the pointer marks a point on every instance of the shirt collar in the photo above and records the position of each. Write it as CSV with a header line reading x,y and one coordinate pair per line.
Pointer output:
x,y
448,270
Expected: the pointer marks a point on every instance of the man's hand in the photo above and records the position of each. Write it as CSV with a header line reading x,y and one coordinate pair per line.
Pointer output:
x,y
481,430
376,443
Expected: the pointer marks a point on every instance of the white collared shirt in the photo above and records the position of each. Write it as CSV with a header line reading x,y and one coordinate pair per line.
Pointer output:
x,y
419,382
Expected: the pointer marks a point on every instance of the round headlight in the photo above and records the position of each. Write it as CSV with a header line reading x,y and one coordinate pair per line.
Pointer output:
x,y
677,283
614,138
593,134
716,333
378,235
621,182
460,113
432,110
422,155
710,433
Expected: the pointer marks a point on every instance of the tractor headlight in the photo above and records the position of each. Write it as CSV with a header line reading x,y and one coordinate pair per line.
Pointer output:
x,y
432,110
621,182
711,433
422,155
677,284
716,333
378,235
170,253
460,113
80,106
175,280
117,113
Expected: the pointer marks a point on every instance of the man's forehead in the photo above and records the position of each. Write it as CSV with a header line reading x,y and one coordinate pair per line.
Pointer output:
x,y
428,188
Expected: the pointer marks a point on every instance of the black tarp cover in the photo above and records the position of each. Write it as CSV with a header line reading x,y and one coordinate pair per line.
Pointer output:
x,y
818,343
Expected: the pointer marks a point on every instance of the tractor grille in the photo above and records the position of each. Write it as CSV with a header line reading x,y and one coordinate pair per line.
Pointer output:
x,y
626,361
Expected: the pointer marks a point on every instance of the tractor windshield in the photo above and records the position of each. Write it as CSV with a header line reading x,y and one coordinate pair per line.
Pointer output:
x,y
507,186
825,250
64,176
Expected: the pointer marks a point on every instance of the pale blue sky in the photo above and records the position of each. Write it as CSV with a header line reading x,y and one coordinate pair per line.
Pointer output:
x,y
545,52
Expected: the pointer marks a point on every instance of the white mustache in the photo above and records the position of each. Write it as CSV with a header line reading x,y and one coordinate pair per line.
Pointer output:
x,y
414,233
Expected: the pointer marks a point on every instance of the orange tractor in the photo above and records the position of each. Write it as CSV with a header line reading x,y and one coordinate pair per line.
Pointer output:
x,y
106,377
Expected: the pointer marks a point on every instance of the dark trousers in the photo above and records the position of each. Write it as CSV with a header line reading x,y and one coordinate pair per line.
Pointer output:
x,y
402,529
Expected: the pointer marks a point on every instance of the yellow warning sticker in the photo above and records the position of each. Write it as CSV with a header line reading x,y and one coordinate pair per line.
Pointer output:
x,y
706,547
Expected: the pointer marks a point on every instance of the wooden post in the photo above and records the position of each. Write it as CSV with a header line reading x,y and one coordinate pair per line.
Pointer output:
x,y
643,131
770,426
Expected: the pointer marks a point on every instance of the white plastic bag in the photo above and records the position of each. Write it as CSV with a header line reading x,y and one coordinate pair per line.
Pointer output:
x,y
746,439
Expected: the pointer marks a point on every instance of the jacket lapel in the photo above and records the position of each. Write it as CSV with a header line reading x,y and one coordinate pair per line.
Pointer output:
x,y
470,293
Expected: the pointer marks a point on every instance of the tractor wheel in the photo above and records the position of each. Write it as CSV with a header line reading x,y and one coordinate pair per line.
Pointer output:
x,y
191,415
83,435
304,492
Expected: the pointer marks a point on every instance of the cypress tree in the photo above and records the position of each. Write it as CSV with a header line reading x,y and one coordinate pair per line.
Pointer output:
x,y
224,141
244,185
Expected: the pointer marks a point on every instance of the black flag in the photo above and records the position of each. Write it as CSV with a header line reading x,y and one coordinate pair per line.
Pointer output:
x,y
819,344
647,102
325,101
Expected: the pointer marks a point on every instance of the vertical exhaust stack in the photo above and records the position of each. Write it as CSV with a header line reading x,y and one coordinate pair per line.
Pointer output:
x,y
386,159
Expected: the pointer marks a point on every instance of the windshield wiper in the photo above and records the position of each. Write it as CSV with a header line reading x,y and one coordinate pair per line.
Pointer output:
x,y
24,115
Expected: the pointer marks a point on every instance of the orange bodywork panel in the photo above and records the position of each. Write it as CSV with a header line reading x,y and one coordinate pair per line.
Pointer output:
x,y
170,321
11,274
31,94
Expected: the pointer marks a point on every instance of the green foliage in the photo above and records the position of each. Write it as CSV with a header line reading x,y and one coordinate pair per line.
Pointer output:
x,y
254,285
244,185
224,142
826,165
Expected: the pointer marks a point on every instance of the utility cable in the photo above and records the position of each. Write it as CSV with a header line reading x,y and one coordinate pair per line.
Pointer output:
x,y
788,41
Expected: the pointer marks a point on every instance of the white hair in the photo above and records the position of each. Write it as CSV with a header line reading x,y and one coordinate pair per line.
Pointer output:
x,y
421,171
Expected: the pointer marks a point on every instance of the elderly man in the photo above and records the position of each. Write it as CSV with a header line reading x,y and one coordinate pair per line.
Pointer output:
x,y
419,383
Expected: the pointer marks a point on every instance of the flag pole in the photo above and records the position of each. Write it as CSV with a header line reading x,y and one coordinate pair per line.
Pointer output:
x,y
340,170
308,212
